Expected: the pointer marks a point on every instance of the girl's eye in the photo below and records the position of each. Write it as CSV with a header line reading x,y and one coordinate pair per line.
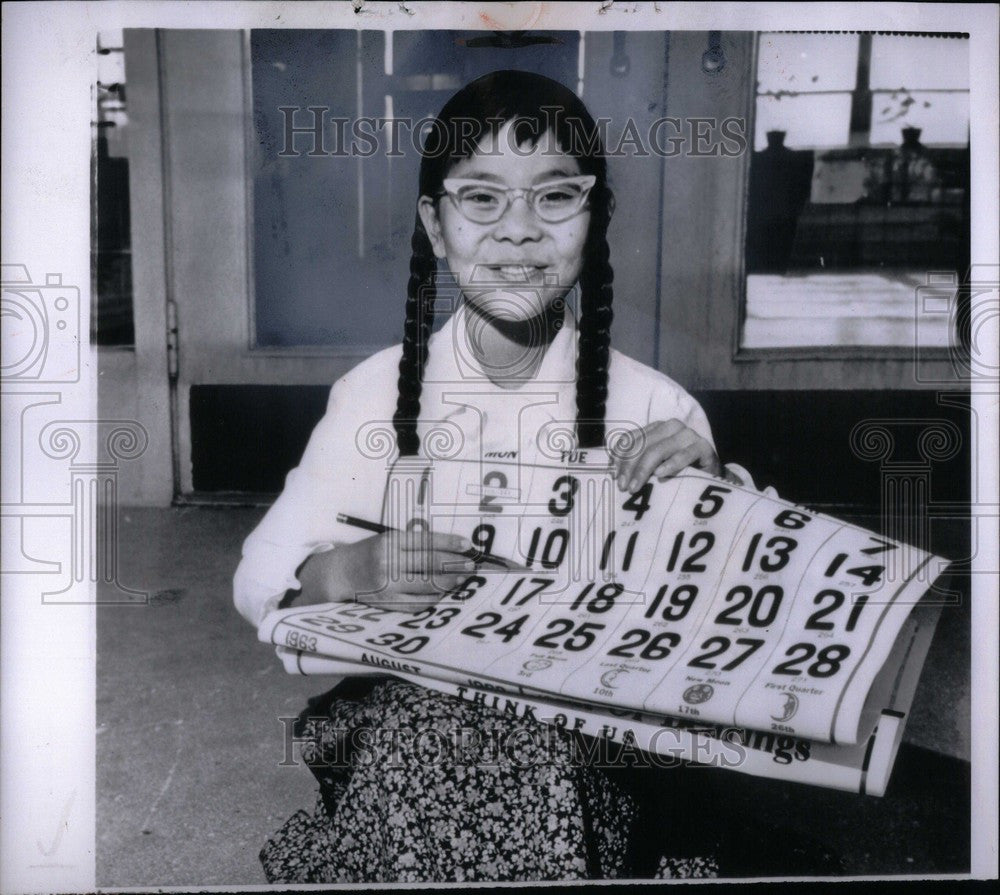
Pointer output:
x,y
556,196
481,198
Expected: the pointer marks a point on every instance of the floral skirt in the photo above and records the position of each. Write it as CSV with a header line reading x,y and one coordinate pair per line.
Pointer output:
x,y
416,786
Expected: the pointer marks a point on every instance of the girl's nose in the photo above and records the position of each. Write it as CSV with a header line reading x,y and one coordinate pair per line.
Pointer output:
x,y
519,223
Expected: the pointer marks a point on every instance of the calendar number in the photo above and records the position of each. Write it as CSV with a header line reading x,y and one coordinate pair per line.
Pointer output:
x,y
782,548
334,627
701,542
829,602
792,519
602,601
362,612
710,501
482,537
869,575
430,618
539,585
677,606
827,664
657,648
629,549
879,546
569,485
638,503
581,635
466,589
488,620
717,646
399,643
493,479
763,606
553,551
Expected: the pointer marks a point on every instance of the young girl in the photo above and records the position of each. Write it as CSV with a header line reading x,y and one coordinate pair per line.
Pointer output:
x,y
514,199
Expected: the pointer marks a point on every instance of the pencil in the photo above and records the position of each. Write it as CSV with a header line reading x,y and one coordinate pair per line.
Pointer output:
x,y
380,529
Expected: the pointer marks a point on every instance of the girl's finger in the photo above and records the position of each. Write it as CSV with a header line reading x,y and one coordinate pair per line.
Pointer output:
x,y
693,455
436,563
638,467
657,454
627,470
417,541
405,602
630,446
449,564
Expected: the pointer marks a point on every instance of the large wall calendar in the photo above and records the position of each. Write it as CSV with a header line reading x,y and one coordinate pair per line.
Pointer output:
x,y
693,599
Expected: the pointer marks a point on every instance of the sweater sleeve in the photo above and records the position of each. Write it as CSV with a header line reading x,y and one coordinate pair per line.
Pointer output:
x,y
332,477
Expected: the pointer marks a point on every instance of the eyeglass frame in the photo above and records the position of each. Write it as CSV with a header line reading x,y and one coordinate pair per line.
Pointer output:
x,y
453,184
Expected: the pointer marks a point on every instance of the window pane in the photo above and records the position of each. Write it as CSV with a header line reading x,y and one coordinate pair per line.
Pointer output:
x,y
803,63
943,117
919,63
818,121
861,309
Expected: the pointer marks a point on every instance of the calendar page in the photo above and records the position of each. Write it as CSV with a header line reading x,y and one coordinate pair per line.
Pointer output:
x,y
864,768
692,598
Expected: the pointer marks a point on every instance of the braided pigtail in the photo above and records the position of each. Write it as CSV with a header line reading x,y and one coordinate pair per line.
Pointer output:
x,y
596,296
420,294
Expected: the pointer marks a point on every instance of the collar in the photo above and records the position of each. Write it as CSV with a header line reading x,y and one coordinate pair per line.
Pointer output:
x,y
453,368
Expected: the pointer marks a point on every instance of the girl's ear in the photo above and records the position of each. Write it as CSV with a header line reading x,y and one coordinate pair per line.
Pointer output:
x,y
429,216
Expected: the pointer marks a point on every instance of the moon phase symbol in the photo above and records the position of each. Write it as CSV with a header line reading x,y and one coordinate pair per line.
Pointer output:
x,y
698,694
790,707
608,678
536,664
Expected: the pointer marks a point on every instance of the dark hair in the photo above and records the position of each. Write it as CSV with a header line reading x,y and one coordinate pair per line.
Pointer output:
x,y
538,104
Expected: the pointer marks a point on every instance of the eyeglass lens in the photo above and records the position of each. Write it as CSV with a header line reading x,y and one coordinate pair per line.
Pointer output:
x,y
554,202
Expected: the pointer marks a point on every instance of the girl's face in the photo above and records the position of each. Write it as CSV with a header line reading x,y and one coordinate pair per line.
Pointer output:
x,y
515,267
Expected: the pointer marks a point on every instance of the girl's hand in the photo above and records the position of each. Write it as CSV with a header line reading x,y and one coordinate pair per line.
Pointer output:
x,y
404,571
663,449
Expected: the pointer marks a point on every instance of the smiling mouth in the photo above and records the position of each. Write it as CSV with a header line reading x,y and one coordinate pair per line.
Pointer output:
x,y
515,273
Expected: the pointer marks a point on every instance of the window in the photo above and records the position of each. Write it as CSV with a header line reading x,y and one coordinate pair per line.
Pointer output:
x,y
858,190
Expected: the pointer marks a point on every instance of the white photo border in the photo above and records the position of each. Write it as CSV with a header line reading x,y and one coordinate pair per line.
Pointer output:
x,y
49,650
